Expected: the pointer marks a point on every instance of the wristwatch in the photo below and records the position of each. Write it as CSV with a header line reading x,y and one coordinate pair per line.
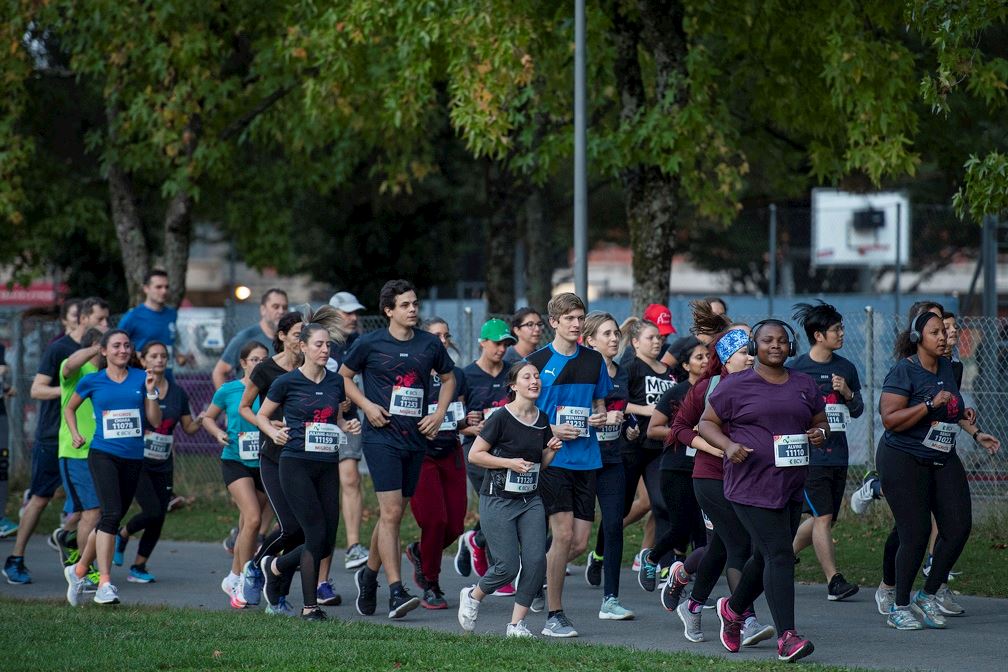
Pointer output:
x,y
152,396
927,404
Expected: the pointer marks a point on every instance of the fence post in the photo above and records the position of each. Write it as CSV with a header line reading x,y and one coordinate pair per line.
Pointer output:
x,y
870,382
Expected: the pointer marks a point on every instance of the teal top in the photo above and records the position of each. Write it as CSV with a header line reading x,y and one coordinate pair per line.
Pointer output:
x,y
243,436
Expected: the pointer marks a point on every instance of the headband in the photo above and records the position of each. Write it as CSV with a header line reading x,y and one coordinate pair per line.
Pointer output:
x,y
730,343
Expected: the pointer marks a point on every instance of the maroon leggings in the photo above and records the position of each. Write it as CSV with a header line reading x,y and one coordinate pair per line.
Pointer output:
x,y
439,506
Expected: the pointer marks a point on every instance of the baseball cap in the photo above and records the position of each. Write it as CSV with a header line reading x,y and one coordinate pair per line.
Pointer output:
x,y
660,316
346,302
496,330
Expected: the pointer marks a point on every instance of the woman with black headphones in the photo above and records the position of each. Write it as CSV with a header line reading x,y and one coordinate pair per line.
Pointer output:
x,y
772,415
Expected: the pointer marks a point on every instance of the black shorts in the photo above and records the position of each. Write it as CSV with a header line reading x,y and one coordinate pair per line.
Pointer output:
x,y
232,470
824,490
566,490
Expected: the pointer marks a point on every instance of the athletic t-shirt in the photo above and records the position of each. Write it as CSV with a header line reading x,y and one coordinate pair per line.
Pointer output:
x,y
49,409
120,416
310,410
337,353
511,355
755,413
85,414
232,352
262,377
674,455
484,393
834,451
159,441
940,427
570,384
227,397
396,376
447,440
509,437
611,437
143,325
646,386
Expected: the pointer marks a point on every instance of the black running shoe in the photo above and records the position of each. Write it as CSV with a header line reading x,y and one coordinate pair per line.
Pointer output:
x,y
463,561
315,614
839,589
433,597
401,603
413,555
367,592
272,584
593,569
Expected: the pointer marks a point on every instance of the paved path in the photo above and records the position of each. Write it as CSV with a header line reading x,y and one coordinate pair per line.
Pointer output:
x,y
847,633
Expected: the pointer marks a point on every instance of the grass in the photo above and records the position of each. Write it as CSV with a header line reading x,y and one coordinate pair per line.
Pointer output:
x,y
58,637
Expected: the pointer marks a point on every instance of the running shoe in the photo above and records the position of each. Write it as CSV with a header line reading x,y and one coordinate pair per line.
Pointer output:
x,y
252,581
925,607
433,597
927,565
885,598
120,550
7,527
71,558
230,540
791,646
238,596
691,622
91,581
367,592
731,629
315,614
518,629
593,569
227,584
865,495
635,567
413,555
106,594
355,556
480,564
612,610
401,603
468,610
539,601
326,596
272,584
902,618
646,575
946,602
754,632
75,586
559,626
507,590
839,589
463,560
15,570
281,608
51,539
672,589
139,574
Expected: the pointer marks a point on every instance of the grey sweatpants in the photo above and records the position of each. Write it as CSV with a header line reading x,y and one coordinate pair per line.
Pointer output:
x,y
515,531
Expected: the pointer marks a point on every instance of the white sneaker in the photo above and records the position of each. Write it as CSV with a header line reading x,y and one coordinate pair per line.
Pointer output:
x,y
468,609
75,586
229,583
946,602
106,594
885,599
753,632
636,563
518,630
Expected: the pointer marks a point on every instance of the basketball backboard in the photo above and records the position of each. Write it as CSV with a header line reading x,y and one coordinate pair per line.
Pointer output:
x,y
859,229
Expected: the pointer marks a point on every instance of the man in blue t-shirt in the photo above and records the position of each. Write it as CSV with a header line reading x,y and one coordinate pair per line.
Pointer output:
x,y
153,320
395,365
575,383
827,473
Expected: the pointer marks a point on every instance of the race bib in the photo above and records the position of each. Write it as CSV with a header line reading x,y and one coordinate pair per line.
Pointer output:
x,y
941,436
522,483
487,412
690,451
791,450
574,415
609,433
406,401
157,446
248,445
454,415
121,424
323,437
838,416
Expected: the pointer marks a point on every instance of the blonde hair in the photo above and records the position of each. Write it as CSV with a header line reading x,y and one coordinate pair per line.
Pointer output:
x,y
594,321
329,319
629,330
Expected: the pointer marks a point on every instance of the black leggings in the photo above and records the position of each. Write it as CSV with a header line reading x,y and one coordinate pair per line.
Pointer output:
x,y
641,463
609,488
152,494
915,489
686,525
729,547
115,480
289,537
312,488
771,531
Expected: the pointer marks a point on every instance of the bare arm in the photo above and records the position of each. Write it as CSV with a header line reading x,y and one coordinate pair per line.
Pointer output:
x,y
277,435
221,372
249,395
429,424
43,389
376,415
209,423
896,415
78,359
70,418
658,428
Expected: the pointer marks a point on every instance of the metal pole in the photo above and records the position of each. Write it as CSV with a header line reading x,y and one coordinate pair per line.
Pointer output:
x,y
990,297
580,157
870,382
773,259
899,249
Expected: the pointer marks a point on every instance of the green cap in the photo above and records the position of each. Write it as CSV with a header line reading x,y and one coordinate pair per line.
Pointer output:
x,y
496,330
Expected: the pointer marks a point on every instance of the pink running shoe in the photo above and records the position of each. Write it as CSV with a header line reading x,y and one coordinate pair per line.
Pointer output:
x,y
731,626
479,557
507,590
791,646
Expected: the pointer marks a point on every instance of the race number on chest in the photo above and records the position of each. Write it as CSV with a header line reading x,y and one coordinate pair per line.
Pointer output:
x,y
323,437
248,445
121,424
521,483
791,450
406,401
157,446
941,436
576,416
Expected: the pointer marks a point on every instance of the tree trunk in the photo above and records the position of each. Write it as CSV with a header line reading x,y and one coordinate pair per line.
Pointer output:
x,y
539,265
177,236
129,231
502,232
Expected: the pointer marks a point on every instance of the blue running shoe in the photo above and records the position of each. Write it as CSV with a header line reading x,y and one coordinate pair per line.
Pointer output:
x,y
326,596
15,570
120,549
7,527
253,580
138,574
281,608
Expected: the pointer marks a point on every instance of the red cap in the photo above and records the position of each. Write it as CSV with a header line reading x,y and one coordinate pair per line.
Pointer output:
x,y
660,316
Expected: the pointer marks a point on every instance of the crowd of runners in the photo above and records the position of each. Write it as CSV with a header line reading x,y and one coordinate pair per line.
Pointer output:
x,y
723,439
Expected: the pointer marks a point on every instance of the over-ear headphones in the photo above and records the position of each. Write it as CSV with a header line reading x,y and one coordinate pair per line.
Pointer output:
x,y
915,330
792,340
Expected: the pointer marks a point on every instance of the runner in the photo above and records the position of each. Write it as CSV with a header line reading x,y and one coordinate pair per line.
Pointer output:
x,y
922,411
527,329
601,333
396,365
312,431
486,392
827,475
515,446
240,465
575,384
154,320
772,415
439,505
272,306
116,454
7,526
